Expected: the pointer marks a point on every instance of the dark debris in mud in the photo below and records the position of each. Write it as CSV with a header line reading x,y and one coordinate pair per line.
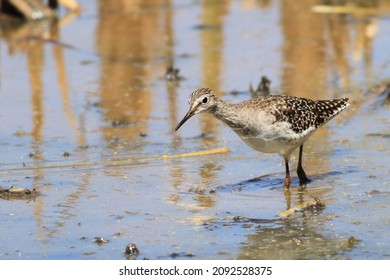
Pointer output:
x,y
120,123
172,74
263,88
316,205
18,193
296,241
380,135
131,251
385,95
86,147
313,206
100,240
207,26
379,96
351,242
232,221
203,136
175,255
237,92
241,219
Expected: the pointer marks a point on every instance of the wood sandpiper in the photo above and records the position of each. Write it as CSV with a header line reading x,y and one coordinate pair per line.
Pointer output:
x,y
269,124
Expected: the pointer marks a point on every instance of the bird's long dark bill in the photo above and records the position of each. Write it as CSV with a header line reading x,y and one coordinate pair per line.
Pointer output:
x,y
186,117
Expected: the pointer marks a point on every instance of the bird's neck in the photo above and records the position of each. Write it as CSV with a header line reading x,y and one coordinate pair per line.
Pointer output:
x,y
227,113
222,110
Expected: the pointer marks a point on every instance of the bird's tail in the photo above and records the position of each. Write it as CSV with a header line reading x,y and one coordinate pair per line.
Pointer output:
x,y
330,108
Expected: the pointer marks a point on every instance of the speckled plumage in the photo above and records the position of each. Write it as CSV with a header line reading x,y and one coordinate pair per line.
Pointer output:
x,y
270,124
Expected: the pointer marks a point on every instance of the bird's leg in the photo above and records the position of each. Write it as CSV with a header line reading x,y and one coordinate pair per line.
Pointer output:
x,y
287,180
301,173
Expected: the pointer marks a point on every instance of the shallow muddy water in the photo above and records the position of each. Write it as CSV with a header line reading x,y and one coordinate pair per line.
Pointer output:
x,y
87,118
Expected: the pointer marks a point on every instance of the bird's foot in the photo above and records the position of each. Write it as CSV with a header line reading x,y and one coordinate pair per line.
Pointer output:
x,y
302,176
304,180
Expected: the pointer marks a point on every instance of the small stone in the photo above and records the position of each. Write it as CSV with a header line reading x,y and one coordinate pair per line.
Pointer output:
x,y
351,242
131,249
100,240
296,241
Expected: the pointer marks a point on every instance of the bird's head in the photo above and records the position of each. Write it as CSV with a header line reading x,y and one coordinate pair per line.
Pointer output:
x,y
201,100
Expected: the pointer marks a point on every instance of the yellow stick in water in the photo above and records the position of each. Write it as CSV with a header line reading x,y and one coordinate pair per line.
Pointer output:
x,y
198,153
117,162
348,9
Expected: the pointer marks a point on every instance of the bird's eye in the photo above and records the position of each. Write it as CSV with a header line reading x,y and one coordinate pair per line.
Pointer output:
x,y
205,100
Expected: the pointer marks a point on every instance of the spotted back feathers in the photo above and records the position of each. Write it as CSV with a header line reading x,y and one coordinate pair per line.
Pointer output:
x,y
303,113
